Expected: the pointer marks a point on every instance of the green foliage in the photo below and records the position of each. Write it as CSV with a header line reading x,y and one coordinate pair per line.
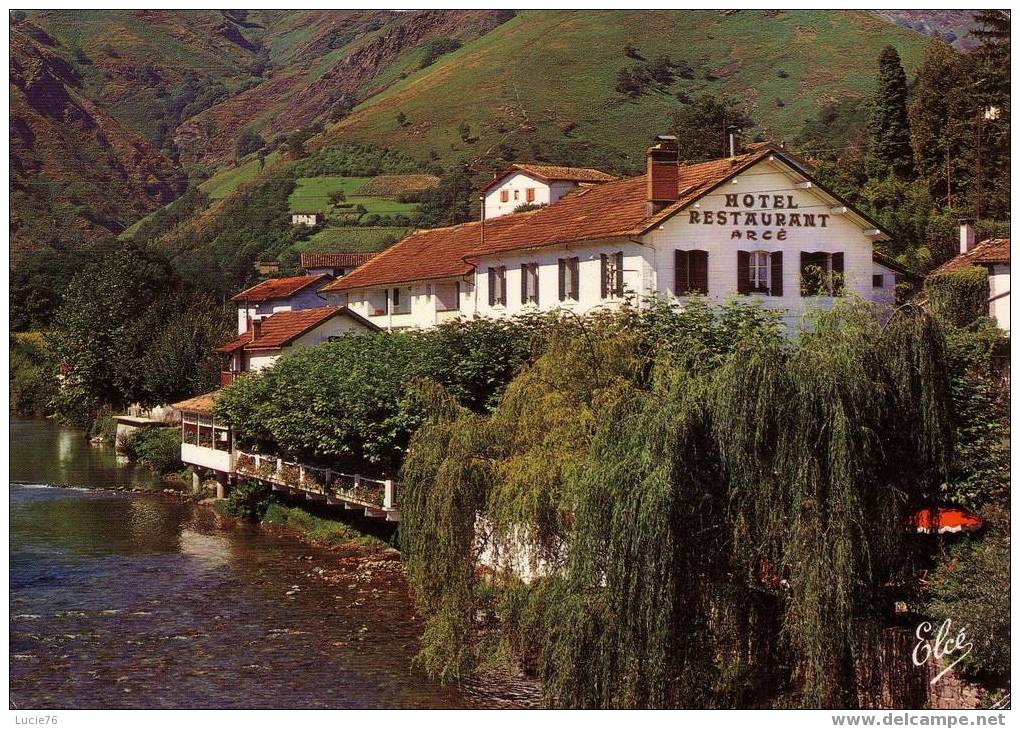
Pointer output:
x,y
970,587
349,402
981,406
156,448
127,332
252,224
169,217
644,452
438,47
315,528
33,376
700,126
451,202
356,160
248,142
890,128
958,297
249,500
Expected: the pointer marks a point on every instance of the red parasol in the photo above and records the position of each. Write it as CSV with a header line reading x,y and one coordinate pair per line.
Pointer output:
x,y
945,521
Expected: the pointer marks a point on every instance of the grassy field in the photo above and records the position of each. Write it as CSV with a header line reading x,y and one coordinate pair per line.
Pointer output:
x,y
352,239
227,179
312,193
782,66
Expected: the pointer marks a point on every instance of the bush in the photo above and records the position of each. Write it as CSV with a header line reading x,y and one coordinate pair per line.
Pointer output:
x,y
436,48
249,500
970,587
958,297
156,448
33,376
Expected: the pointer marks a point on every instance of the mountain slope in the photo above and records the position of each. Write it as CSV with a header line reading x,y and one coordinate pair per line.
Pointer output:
x,y
76,172
549,78
339,55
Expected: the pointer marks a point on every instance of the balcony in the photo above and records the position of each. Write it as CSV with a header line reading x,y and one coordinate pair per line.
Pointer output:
x,y
228,376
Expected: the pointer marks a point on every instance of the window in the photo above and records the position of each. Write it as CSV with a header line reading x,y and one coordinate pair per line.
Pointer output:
x,y
691,273
529,283
569,281
821,273
400,301
517,194
504,195
612,275
428,293
877,281
760,272
497,286
529,194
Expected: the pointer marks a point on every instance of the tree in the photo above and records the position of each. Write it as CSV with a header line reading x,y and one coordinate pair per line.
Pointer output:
x,y
336,197
700,126
890,128
101,334
449,202
248,142
940,122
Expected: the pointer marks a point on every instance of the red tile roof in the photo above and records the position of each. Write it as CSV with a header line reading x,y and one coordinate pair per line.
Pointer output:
x,y
987,252
277,288
551,173
282,328
334,260
610,210
617,208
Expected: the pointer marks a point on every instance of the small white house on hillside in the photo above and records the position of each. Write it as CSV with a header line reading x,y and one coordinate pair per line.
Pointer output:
x,y
993,256
755,224
533,184
333,265
311,218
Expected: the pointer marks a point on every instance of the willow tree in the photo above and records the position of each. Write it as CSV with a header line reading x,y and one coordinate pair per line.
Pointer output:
x,y
727,521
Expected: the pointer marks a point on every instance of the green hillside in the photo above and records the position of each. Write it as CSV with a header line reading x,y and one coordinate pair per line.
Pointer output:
x,y
549,78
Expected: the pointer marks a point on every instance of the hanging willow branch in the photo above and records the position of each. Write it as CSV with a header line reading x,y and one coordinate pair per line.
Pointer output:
x,y
689,510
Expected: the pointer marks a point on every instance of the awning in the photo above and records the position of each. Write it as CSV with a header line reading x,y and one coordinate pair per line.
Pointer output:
x,y
945,521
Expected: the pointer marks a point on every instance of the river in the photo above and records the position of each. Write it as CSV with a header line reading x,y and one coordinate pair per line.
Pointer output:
x,y
124,599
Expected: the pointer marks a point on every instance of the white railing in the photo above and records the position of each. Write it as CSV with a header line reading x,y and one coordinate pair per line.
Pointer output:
x,y
373,494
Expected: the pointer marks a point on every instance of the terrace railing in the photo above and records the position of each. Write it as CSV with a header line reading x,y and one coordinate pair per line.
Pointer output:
x,y
379,497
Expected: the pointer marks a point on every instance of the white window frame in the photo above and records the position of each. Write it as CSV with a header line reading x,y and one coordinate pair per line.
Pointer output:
x,y
759,260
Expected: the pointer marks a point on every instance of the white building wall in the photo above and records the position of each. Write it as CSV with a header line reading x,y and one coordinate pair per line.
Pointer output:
x,y
833,233
516,185
998,292
589,277
649,261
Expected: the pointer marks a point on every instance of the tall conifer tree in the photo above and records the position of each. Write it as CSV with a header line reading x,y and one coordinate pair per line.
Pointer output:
x,y
890,128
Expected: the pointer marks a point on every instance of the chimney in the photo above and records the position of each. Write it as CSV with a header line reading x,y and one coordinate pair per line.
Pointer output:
x,y
256,329
662,172
731,136
967,234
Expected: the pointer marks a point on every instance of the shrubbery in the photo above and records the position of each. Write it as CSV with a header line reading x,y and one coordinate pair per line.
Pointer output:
x,y
156,448
348,402
33,375
249,500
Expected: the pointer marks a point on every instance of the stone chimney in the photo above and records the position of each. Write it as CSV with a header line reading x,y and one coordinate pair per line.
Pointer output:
x,y
662,173
967,234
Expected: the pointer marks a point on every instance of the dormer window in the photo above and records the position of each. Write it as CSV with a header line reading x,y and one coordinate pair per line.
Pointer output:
x,y
504,196
529,195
